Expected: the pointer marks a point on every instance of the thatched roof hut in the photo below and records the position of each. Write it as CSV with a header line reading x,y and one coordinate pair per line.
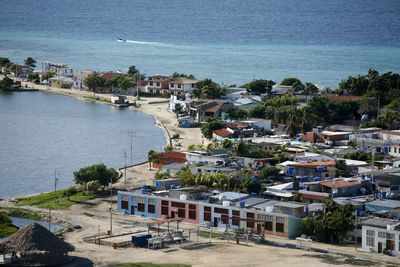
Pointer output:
x,y
35,245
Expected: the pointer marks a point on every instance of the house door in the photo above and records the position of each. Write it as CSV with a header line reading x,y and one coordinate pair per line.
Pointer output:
x,y
172,214
259,228
132,210
390,244
215,222
379,247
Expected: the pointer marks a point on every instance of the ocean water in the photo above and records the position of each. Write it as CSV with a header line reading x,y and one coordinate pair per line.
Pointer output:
x,y
230,41
42,133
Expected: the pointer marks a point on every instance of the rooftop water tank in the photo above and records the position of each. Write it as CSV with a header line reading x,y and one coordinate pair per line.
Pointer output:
x,y
363,177
226,203
328,178
316,179
320,169
378,149
183,197
383,195
290,170
173,186
242,204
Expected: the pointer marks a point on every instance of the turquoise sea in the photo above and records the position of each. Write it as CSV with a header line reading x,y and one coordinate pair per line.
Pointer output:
x,y
230,41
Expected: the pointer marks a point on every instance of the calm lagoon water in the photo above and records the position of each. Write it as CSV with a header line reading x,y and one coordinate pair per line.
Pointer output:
x,y
231,41
42,133
22,222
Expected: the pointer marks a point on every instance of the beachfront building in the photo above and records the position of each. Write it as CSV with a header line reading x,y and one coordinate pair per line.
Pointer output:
x,y
58,68
180,86
380,234
158,84
230,211
61,82
209,109
79,77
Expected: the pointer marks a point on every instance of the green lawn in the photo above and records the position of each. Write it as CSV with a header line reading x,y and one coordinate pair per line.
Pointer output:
x,y
149,264
21,213
63,202
7,229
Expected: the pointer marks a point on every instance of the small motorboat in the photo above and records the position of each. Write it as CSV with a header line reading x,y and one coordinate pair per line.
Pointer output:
x,y
121,40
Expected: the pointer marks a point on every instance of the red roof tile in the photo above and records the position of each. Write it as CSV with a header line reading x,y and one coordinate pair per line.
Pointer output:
x,y
110,75
313,196
222,132
314,164
338,183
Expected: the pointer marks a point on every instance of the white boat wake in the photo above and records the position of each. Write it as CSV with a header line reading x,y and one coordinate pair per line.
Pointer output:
x,y
149,43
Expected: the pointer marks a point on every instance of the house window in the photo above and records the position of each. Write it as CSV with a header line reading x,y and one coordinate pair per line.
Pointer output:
x,y
179,86
236,213
158,84
208,209
181,213
151,201
370,241
390,236
124,205
268,226
164,202
395,150
381,234
151,83
137,199
192,214
222,211
178,204
124,198
151,208
235,221
140,207
250,224
207,216
225,219
164,210
279,227
280,224
192,207
370,233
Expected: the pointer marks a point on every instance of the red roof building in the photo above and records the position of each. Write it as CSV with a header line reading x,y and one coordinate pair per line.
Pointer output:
x,y
169,158
110,75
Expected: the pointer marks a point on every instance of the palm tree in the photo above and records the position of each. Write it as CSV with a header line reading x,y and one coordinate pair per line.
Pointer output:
x,y
30,62
152,156
92,81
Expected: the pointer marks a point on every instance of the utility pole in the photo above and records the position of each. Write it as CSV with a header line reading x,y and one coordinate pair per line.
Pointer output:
x,y
111,206
355,237
125,169
131,134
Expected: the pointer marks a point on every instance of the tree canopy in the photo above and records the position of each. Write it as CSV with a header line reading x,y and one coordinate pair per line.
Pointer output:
x,y
6,84
30,62
152,156
259,86
4,61
182,75
236,114
208,89
132,71
93,80
330,224
96,172
48,75
295,82
208,127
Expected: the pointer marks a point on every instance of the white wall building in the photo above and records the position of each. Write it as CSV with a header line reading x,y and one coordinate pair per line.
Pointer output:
x,y
394,150
380,233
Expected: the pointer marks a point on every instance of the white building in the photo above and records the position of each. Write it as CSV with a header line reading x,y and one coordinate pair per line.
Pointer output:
x,y
260,123
394,150
281,89
181,86
58,68
380,233
79,77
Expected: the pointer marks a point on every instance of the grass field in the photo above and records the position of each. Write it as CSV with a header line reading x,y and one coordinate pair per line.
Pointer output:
x,y
63,202
21,213
213,235
6,227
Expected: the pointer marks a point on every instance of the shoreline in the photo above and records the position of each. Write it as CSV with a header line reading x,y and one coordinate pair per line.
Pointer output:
x,y
153,106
